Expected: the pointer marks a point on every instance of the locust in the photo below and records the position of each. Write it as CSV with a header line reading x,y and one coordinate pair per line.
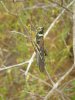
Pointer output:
x,y
38,45
40,49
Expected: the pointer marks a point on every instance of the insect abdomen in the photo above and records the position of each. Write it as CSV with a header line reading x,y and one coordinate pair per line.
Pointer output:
x,y
40,55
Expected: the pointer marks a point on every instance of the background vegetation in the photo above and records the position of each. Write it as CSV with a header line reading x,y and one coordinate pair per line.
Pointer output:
x,y
20,19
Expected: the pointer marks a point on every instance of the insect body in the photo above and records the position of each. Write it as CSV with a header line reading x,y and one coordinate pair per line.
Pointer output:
x,y
40,47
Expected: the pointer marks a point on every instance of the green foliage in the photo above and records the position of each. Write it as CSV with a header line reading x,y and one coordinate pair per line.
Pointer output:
x,y
57,43
73,98
73,82
3,90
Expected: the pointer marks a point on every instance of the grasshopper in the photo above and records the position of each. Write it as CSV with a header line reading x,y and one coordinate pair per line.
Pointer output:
x,y
40,47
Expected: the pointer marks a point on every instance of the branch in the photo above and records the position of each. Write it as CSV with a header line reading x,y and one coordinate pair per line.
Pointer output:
x,y
66,84
6,9
12,66
41,5
58,82
73,66
61,6
44,6
49,77
46,83
51,26
30,62
18,33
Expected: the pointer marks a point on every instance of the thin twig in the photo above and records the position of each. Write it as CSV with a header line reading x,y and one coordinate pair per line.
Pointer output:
x,y
66,84
18,33
6,9
46,83
58,82
61,6
44,6
12,66
36,95
61,93
49,77
30,62
51,26
69,71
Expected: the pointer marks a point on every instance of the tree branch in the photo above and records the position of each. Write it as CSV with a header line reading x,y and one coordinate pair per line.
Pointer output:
x,y
58,82
12,66
73,66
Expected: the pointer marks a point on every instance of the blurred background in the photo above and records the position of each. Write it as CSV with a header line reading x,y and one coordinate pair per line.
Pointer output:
x,y
19,19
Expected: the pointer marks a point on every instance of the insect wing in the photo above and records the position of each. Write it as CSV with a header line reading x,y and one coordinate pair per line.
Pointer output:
x,y
40,55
